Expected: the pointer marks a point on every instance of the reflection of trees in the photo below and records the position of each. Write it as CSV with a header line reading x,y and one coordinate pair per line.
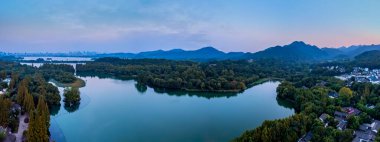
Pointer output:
x,y
141,87
102,76
71,107
207,95
85,74
284,103
54,109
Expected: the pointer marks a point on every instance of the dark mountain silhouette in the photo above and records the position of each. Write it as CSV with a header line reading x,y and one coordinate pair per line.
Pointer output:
x,y
371,56
297,50
355,50
369,59
203,54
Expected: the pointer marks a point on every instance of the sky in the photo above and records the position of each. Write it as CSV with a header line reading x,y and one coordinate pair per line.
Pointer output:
x,y
145,25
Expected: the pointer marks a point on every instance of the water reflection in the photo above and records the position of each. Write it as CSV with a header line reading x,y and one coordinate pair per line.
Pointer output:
x,y
71,107
54,110
141,87
177,118
208,95
284,103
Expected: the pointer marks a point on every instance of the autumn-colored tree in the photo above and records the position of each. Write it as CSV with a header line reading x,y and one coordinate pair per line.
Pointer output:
x,y
23,89
367,90
21,93
346,94
14,81
5,105
38,129
43,110
28,103
3,75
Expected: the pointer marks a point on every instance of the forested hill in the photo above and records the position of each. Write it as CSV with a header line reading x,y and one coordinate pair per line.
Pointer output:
x,y
297,50
203,54
369,59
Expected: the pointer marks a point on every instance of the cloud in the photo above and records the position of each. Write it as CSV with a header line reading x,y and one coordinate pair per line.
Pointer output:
x,y
140,25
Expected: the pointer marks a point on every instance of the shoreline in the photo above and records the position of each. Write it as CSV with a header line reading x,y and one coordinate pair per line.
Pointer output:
x,y
78,83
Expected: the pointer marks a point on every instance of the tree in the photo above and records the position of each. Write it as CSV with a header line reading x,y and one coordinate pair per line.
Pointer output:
x,y
28,103
72,96
354,122
5,105
38,123
21,93
31,134
23,90
43,110
367,90
3,75
345,94
14,81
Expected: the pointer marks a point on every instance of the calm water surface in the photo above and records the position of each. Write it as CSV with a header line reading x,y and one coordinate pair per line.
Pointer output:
x,y
60,58
115,111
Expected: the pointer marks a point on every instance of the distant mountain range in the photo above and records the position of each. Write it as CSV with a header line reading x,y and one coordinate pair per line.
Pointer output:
x,y
203,54
297,50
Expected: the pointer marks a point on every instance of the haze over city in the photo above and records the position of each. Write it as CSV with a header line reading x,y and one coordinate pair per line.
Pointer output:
x,y
145,25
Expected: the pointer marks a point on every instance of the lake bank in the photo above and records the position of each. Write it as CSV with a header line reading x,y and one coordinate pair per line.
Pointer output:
x,y
78,83
150,115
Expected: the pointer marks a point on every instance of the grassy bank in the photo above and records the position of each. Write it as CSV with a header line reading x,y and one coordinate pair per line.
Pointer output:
x,y
76,84
263,80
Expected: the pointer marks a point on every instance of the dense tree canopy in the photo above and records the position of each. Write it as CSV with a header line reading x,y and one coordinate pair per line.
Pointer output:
x,y
223,76
72,96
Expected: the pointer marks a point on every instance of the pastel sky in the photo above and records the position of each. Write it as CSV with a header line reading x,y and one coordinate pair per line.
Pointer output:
x,y
143,25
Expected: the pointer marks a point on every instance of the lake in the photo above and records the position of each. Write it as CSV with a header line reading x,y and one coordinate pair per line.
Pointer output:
x,y
60,58
114,110
37,65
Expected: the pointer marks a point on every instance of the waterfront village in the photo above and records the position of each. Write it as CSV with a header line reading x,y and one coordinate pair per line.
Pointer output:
x,y
362,75
366,132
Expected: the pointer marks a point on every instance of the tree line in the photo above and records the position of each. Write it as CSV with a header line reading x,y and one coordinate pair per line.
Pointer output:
x,y
223,76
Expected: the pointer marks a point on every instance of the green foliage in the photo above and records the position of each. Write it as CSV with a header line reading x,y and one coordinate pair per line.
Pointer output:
x,y
354,122
43,111
5,105
28,103
286,90
60,72
330,134
3,134
72,96
37,131
39,123
222,76
370,59
345,95
282,130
